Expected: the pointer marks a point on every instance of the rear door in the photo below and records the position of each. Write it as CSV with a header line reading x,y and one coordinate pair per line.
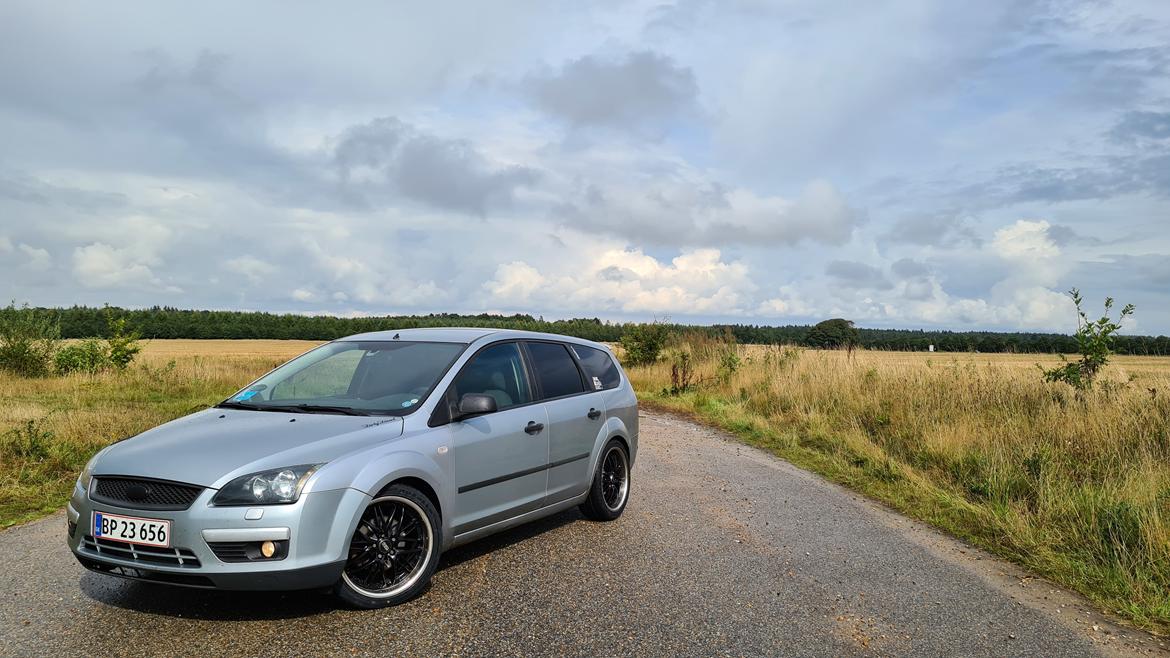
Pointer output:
x,y
501,458
575,416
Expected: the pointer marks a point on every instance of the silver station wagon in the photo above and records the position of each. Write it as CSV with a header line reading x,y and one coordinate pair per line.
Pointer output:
x,y
355,465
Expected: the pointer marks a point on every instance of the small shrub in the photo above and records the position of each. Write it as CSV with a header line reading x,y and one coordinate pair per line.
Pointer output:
x,y
28,341
89,356
123,345
1095,342
29,442
681,374
643,343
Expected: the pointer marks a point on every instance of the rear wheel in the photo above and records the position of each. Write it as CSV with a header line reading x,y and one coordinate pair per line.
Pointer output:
x,y
611,484
393,551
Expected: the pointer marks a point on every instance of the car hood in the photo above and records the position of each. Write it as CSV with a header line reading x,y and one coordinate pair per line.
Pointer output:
x,y
211,447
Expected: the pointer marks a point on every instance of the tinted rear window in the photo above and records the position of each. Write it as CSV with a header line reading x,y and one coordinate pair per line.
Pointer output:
x,y
599,368
556,370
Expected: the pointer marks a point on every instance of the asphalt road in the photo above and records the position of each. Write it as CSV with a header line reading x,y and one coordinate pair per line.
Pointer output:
x,y
723,550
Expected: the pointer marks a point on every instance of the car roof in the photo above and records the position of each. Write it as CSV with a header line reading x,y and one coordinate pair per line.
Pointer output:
x,y
465,335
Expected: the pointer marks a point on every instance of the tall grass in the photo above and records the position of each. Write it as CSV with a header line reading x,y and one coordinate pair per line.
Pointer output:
x,y
1076,488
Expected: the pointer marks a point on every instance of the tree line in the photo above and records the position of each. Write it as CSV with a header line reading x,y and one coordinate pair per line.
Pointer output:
x,y
167,322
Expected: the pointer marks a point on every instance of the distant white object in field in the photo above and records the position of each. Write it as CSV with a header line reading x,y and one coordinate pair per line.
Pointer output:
x,y
931,348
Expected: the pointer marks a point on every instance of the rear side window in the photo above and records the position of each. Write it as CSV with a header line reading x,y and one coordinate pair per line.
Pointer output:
x,y
599,368
556,369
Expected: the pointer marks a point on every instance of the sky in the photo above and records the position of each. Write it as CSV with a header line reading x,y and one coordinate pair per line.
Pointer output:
x,y
901,163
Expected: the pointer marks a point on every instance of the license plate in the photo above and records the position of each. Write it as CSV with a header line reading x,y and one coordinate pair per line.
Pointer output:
x,y
132,529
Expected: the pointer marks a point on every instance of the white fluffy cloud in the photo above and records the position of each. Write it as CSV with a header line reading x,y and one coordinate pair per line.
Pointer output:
x,y
694,282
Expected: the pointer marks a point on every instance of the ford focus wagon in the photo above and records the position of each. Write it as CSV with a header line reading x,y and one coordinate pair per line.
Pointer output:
x,y
355,465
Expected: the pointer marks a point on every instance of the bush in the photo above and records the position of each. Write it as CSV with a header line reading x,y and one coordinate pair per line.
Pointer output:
x,y
28,341
28,443
122,345
90,356
1094,340
643,343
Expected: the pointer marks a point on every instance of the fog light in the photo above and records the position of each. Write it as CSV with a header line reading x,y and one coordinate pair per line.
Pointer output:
x,y
268,549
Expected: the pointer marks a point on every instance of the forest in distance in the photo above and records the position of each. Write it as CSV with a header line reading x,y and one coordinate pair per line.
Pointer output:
x,y
167,322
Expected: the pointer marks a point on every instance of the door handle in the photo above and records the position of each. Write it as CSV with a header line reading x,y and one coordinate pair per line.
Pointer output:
x,y
534,427
593,414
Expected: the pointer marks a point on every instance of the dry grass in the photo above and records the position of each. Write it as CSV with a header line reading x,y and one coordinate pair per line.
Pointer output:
x,y
74,416
1075,488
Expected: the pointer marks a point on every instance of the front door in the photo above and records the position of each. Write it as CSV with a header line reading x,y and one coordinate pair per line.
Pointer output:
x,y
501,458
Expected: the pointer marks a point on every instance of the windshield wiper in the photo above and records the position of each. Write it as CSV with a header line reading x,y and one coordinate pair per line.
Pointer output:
x,y
231,404
321,409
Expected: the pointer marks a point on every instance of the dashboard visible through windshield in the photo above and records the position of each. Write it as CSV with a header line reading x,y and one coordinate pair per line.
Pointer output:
x,y
352,377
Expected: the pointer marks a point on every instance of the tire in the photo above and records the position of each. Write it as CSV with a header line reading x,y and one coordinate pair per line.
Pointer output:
x,y
374,575
610,490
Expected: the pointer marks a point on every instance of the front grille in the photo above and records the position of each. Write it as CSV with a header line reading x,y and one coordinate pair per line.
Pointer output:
x,y
142,493
171,557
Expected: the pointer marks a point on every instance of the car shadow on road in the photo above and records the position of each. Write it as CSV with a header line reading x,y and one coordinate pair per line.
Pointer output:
x,y
215,605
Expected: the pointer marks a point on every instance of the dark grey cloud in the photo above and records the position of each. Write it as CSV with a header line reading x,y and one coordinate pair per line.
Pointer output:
x,y
19,186
932,231
1063,236
852,274
635,93
387,157
907,268
1139,126
1148,272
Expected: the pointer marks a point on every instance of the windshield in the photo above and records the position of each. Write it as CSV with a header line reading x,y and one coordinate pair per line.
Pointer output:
x,y
357,377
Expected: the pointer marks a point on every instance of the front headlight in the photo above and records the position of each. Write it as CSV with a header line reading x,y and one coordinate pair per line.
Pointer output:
x,y
275,487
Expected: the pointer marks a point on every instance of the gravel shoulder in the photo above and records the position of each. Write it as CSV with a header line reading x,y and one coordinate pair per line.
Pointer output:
x,y
723,550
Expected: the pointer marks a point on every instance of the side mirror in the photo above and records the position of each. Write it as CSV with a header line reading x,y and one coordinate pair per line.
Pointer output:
x,y
476,404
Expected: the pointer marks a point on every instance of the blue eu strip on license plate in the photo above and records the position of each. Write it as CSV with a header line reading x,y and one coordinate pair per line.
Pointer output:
x,y
97,524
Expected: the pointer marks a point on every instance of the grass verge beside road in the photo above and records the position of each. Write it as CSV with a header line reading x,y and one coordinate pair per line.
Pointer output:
x,y
49,427
1076,489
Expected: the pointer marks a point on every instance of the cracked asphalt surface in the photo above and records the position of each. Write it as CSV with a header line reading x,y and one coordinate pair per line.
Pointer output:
x,y
722,550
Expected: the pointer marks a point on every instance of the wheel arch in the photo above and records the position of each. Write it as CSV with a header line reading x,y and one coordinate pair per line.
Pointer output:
x,y
423,487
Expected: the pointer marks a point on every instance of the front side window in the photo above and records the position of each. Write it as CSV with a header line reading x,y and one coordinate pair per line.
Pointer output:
x,y
497,371
382,377
599,367
556,369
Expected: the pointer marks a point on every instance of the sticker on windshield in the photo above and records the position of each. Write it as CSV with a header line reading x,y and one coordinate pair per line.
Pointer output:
x,y
597,384
246,395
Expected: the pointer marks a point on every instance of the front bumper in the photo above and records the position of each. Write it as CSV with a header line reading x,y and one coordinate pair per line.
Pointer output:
x,y
317,528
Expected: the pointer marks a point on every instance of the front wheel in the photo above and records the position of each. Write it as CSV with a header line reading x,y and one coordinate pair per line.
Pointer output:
x,y
611,484
393,551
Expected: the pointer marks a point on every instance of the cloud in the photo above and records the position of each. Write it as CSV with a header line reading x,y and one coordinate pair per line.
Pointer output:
x,y
691,211
694,282
37,260
99,265
24,188
387,157
636,93
907,268
933,231
1140,126
856,275
251,268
